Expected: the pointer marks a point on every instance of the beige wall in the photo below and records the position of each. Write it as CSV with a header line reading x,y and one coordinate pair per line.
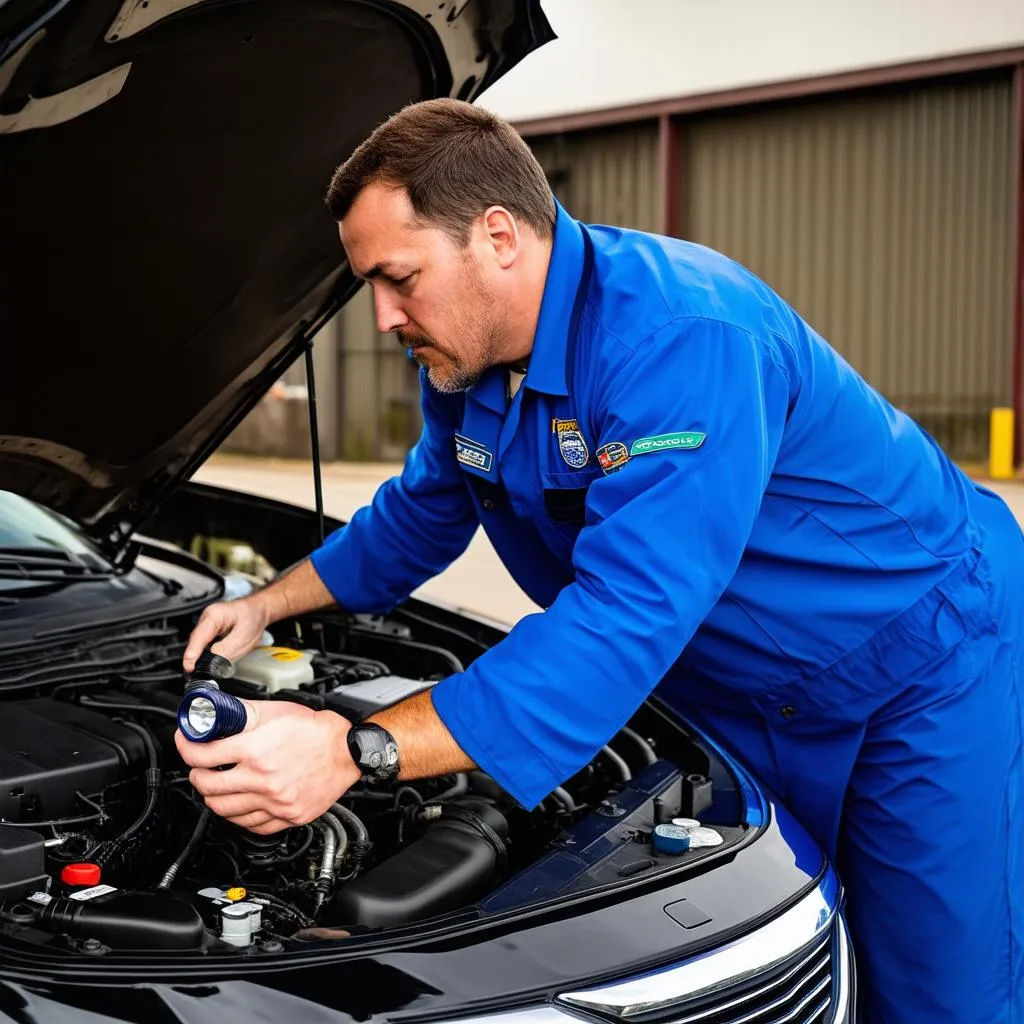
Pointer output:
x,y
611,53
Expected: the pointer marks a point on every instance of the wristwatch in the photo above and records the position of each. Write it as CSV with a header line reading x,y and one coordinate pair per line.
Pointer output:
x,y
374,751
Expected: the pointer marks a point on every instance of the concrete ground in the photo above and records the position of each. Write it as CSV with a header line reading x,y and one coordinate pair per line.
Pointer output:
x,y
477,581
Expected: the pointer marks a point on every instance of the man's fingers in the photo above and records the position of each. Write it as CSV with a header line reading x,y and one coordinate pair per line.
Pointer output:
x,y
252,819
234,781
230,750
239,805
262,823
209,628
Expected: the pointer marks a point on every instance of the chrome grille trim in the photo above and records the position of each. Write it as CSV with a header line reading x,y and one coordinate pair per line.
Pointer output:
x,y
821,954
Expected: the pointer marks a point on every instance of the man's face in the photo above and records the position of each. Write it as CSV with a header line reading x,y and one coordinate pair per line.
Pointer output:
x,y
435,296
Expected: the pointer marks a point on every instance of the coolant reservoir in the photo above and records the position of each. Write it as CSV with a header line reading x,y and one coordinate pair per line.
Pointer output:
x,y
276,668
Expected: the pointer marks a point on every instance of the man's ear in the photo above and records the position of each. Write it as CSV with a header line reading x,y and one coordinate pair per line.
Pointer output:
x,y
502,234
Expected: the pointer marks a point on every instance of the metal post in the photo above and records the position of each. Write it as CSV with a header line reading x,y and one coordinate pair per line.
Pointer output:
x,y
1018,272
670,173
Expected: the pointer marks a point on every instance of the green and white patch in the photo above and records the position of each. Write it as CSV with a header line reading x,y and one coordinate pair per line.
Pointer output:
x,y
667,442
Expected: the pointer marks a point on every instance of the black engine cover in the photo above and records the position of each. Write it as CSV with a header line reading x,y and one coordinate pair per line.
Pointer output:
x,y
49,749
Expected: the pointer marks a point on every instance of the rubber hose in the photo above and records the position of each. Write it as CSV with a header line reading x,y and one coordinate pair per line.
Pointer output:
x,y
564,798
352,822
619,763
460,787
107,850
171,873
340,835
649,755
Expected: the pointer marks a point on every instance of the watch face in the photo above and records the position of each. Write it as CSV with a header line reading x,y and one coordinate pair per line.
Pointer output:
x,y
374,751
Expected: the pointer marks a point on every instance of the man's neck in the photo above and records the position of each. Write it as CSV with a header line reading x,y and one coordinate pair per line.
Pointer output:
x,y
531,296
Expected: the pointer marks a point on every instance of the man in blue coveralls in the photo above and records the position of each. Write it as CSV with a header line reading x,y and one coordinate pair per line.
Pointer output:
x,y
704,497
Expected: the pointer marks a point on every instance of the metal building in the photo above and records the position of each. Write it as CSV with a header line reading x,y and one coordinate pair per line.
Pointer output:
x,y
884,204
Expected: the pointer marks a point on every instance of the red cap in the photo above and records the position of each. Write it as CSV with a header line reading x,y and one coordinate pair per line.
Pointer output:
x,y
81,874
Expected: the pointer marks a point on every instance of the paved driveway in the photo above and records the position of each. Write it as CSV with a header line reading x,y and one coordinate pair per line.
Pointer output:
x,y
477,581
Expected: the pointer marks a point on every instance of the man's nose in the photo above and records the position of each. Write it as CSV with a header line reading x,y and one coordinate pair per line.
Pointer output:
x,y
390,315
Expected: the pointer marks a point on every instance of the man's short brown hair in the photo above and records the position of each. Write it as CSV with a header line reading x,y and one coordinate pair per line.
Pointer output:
x,y
454,160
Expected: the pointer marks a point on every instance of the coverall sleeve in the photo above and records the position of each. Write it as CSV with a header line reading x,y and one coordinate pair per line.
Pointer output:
x,y
664,535
417,524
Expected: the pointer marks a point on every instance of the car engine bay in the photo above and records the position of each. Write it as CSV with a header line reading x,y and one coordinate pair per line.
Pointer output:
x,y
105,846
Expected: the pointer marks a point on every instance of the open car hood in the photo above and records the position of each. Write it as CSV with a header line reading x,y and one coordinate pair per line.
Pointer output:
x,y
166,249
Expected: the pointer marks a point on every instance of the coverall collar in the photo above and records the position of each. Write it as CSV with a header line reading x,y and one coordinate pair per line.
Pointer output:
x,y
551,340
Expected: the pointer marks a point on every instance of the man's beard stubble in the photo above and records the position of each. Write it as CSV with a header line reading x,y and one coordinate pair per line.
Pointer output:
x,y
454,374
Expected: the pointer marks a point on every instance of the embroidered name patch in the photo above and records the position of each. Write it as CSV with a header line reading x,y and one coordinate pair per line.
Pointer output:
x,y
571,445
612,456
666,442
472,453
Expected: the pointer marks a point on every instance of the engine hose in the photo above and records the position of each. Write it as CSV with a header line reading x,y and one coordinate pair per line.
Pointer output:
x,y
326,876
619,763
152,709
360,846
171,873
478,824
406,791
306,843
106,851
461,786
341,836
563,797
649,755
352,821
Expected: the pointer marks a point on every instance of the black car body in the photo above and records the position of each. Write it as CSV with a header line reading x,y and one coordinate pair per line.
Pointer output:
x,y
167,256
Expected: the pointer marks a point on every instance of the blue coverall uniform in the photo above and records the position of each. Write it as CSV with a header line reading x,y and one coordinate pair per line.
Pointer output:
x,y
705,497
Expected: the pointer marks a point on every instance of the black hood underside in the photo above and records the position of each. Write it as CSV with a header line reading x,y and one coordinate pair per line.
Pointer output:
x,y
166,248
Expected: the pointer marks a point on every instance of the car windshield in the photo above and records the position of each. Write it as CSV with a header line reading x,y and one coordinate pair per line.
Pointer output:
x,y
38,546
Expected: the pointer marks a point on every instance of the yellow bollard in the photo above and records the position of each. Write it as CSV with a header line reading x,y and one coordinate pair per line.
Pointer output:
x,y
1000,451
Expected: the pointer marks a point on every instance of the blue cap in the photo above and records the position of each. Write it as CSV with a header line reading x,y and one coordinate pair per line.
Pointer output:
x,y
670,839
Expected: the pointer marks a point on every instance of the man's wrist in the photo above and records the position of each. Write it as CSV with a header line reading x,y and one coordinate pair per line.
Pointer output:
x,y
298,592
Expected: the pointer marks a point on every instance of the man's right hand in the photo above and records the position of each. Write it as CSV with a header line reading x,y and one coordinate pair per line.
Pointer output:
x,y
238,624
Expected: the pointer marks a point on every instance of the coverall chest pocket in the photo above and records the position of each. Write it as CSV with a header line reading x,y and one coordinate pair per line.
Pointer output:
x,y
564,498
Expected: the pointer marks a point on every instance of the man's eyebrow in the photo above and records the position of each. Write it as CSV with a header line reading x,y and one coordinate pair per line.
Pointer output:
x,y
383,267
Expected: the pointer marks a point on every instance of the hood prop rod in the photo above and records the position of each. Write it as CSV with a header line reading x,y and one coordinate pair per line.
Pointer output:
x,y
314,439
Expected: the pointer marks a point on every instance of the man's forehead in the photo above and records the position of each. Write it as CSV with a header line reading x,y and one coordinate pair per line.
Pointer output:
x,y
380,232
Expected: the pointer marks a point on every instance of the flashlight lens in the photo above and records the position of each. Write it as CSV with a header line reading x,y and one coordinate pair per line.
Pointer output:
x,y
202,715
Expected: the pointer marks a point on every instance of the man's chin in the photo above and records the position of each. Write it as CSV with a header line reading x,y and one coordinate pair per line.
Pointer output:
x,y
448,382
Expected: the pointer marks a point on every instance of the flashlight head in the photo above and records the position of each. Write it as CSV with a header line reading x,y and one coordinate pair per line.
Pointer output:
x,y
206,713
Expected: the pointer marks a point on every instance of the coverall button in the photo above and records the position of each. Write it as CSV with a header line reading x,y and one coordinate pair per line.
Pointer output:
x,y
787,711
488,503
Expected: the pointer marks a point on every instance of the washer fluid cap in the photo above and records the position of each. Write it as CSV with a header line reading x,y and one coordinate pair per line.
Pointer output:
x,y
670,839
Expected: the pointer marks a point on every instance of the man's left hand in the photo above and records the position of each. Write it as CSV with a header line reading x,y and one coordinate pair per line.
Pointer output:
x,y
289,765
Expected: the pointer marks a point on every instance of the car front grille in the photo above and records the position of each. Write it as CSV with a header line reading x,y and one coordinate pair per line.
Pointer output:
x,y
796,992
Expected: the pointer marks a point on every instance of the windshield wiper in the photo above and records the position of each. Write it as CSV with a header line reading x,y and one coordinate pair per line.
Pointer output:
x,y
42,566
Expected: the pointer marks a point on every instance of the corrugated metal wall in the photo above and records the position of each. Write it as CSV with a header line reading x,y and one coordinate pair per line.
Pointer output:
x,y
379,401
885,219
607,176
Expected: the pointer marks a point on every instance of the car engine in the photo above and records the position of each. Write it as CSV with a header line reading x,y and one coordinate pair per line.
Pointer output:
x,y
105,845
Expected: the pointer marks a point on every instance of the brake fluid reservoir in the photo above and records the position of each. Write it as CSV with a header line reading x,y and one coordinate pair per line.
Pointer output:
x,y
276,668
